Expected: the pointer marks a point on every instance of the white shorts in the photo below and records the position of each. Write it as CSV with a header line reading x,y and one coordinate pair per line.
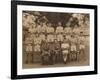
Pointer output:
x,y
37,48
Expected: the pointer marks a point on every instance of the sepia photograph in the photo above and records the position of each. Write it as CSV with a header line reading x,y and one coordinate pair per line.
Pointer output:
x,y
55,39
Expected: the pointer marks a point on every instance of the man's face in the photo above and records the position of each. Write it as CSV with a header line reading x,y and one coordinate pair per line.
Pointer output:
x,y
55,40
75,26
59,24
49,24
44,23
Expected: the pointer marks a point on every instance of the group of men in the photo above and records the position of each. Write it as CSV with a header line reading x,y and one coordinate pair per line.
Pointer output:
x,y
59,44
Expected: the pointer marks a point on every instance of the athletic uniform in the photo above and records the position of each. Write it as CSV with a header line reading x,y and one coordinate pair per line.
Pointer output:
x,y
67,30
38,29
76,31
28,40
50,38
50,30
73,50
43,28
59,37
81,48
42,37
32,30
59,29
29,55
68,37
65,50
37,43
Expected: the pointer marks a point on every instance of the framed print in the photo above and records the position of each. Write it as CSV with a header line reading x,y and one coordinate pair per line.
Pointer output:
x,y
52,39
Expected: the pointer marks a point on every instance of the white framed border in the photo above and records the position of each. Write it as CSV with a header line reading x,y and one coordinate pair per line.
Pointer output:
x,y
21,71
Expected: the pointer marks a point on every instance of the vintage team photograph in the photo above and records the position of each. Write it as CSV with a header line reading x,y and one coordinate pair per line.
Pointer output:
x,y
55,39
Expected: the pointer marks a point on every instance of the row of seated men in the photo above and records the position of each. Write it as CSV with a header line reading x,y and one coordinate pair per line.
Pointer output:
x,y
55,50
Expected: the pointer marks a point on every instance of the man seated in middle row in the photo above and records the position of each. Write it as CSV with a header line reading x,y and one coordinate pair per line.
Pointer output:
x,y
65,46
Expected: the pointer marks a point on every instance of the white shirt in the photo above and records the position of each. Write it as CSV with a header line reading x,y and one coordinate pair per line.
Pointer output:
x,y
81,38
43,28
28,40
37,40
42,37
67,30
65,45
68,37
50,29
76,30
50,38
32,36
59,29
73,47
37,48
74,40
82,46
29,48
38,28
32,30
60,37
